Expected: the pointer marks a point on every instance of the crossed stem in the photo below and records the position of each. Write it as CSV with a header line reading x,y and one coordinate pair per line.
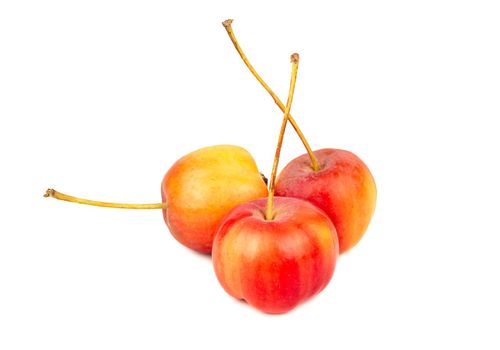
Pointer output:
x,y
227,25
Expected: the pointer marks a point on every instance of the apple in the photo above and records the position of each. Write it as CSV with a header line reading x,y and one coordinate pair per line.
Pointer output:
x,y
342,186
335,180
202,187
274,252
197,192
276,264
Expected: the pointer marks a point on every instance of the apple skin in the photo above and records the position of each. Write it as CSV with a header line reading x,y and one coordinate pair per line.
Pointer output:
x,y
202,187
343,187
274,265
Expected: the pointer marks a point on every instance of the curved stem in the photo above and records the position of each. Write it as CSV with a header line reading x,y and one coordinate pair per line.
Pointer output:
x,y
229,29
295,66
64,197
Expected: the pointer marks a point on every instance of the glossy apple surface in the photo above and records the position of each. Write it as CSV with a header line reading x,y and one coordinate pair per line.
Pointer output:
x,y
202,187
343,187
275,264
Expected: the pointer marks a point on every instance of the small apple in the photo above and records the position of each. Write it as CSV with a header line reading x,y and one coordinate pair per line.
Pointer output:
x,y
335,180
275,264
202,187
342,186
276,252
197,192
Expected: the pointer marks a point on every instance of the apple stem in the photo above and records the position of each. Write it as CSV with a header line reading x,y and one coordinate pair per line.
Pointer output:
x,y
295,65
227,25
64,197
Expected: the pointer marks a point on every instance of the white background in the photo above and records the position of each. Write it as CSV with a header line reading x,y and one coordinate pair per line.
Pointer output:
x,y
99,98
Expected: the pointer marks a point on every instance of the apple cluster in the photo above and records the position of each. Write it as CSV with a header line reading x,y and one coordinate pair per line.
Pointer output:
x,y
216,203
274,245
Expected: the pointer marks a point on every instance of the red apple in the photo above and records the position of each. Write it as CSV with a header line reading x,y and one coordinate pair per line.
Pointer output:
x,y
275,264
343,187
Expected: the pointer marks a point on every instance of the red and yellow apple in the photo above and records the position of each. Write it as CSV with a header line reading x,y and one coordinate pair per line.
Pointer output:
x,y
343,187
202,187
275,264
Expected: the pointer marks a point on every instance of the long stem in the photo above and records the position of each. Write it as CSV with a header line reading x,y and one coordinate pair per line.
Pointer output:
x,y
64,197
295,66
229,29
